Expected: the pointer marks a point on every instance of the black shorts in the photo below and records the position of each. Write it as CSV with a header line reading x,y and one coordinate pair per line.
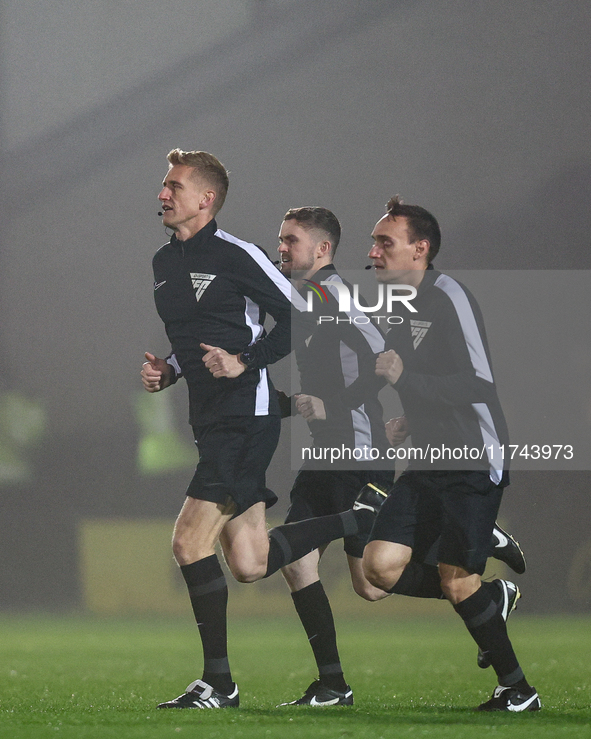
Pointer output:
x,y
325,492
459,506
234,454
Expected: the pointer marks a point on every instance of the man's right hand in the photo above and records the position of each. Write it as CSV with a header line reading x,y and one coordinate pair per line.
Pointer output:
x,y
156,373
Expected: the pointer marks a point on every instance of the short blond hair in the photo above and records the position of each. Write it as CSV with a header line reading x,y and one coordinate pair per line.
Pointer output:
x,y
208,168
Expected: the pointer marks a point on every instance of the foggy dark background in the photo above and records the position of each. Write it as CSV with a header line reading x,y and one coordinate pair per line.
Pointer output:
x,y
478,111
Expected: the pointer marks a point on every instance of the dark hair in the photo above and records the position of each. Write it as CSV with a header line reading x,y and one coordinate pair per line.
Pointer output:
x,y
208,168
312,216
421,224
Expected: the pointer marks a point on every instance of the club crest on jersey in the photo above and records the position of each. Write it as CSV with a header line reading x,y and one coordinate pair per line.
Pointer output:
x,y
201,282
418,331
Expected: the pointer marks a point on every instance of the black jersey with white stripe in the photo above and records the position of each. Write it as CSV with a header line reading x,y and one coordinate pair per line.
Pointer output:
x,y
337,364
447,386
216,289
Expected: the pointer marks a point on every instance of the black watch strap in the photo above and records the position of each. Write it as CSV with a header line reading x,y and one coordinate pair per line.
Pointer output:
x,y
247,357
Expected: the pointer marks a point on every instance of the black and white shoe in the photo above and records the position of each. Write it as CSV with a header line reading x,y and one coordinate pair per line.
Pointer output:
x,y
510,699
318,695
202,695
506,549
370,498
510,594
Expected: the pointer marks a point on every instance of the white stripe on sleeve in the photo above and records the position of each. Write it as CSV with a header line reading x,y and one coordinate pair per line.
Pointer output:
x,y
268,268
468,324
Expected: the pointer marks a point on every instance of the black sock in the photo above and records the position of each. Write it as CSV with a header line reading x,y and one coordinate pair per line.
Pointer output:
x,y
292,541
420,581
493,544
482,616
313,608
209,597
365,521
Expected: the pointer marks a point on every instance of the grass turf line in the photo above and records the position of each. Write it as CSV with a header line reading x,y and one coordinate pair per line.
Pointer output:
x,y
101,678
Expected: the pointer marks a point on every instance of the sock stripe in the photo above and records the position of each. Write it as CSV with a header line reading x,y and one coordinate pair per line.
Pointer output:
x,y
280,539
485,623
217,666
482,618
209,587
333,669
512,678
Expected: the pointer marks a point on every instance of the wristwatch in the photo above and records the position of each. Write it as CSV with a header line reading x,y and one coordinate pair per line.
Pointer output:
x,y
247,357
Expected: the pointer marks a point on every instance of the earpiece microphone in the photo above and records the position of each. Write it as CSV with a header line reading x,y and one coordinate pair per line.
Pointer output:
x,y
369,266
160,213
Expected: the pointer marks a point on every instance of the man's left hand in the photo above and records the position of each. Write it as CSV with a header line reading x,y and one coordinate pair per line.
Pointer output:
x,y
389,365
310,407
220,363
397,430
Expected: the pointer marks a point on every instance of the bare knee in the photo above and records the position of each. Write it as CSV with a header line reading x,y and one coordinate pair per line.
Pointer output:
x,y
457,584
186,550
383,578
197,529
384,563
246,569
369,592
361,584
248,575
452,591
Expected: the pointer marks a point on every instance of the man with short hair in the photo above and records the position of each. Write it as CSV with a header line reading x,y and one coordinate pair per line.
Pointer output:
x,y
439,363
212,292
339,399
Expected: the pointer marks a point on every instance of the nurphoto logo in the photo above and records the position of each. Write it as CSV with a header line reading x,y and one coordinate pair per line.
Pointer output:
x,y
388,295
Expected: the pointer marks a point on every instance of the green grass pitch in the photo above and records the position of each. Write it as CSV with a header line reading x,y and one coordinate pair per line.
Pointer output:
x,y
86,678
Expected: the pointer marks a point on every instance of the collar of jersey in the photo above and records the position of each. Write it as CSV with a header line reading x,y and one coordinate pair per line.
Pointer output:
x,y
200,238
